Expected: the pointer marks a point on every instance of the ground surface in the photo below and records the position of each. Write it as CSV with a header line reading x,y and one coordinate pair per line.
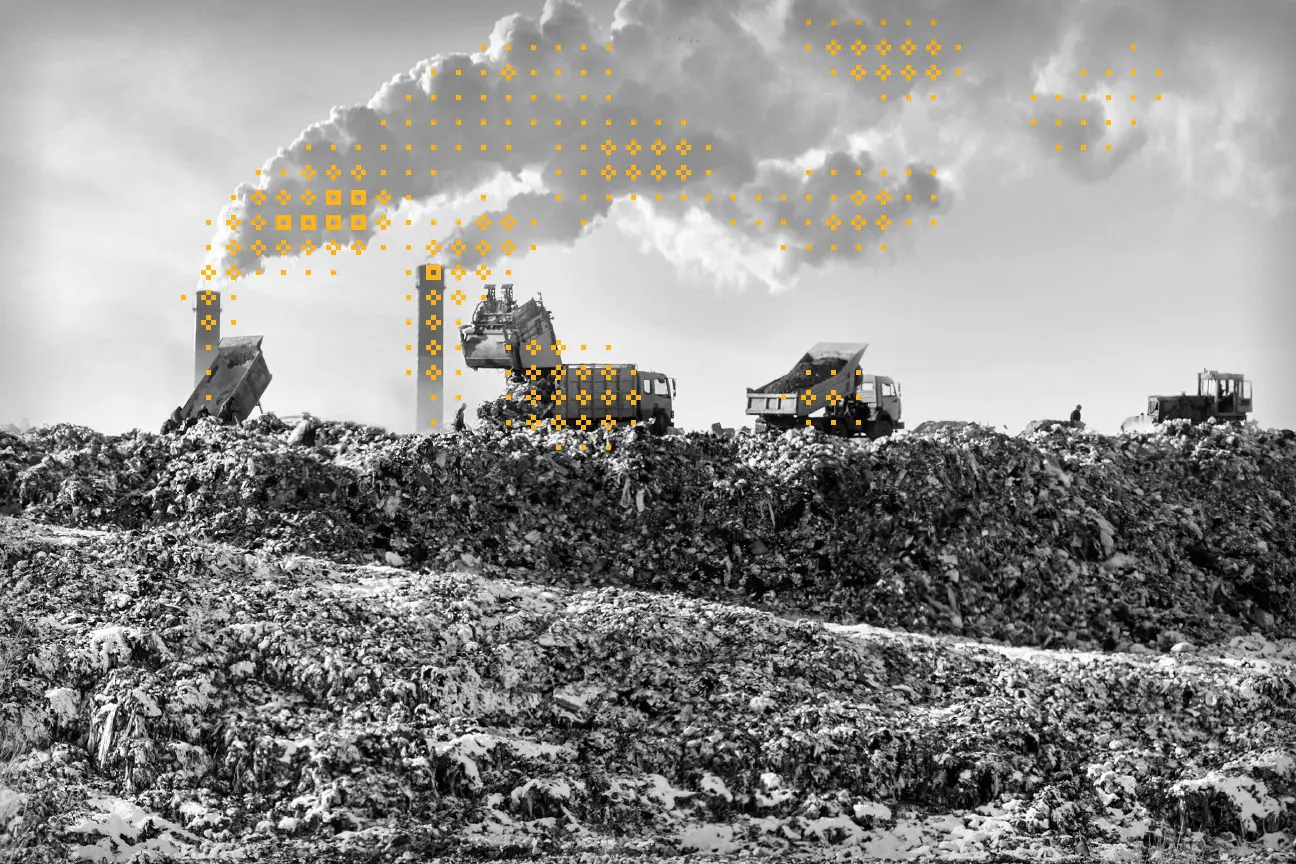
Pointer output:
x,y
221,645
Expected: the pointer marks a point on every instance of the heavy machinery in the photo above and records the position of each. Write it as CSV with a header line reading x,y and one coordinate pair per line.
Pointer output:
x,y
828,390
1222,396
231,387
504,335
521,340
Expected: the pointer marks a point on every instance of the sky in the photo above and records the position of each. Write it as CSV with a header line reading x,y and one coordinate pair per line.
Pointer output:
x,y
1050,277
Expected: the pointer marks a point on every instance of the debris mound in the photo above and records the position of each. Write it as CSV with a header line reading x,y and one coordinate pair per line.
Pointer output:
x,y
182,699
1060,538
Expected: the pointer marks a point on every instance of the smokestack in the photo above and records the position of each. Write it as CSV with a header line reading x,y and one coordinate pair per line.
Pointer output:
x,y
206,332
429,415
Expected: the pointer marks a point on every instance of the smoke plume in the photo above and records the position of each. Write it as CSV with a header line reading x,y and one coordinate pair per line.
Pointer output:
x,y
754,133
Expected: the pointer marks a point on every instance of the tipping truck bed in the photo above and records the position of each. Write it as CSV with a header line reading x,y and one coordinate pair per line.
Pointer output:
x,y
239,376
504,336
806,388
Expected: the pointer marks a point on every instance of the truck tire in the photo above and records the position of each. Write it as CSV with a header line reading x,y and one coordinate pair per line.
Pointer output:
x,y
659,423
882,428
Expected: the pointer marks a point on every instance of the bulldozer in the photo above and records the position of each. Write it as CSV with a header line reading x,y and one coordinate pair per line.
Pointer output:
x,y
1221,396
827,390
520,339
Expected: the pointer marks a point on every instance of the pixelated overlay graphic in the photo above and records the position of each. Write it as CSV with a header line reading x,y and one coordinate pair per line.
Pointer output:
x,y
600,132
430,347
603,139
1101,114
336,195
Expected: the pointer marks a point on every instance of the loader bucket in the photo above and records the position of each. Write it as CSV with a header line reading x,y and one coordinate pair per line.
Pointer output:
x,y
518,337
484,350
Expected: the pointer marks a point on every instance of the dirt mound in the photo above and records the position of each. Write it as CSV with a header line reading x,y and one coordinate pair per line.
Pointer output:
x,y
187,697
1026,541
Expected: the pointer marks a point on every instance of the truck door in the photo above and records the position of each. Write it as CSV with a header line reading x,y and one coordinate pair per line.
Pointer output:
x,y
647,390
888,398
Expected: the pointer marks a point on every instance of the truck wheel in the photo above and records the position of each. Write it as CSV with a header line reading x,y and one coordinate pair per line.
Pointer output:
x,y
882,428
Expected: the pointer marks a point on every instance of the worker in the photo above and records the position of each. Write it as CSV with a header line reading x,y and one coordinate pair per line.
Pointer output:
x,y
1075,416
174,422
459,423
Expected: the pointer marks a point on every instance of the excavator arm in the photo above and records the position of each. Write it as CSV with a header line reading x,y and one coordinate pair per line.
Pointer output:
x,y
504,335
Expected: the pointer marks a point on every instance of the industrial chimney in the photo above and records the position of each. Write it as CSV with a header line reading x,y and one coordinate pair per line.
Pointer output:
x,y
207,319
429,415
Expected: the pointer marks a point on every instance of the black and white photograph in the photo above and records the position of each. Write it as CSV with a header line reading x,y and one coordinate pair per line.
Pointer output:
x,y
648,431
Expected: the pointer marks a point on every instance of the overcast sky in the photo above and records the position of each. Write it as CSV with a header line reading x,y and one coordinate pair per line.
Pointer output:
x,y
1050,277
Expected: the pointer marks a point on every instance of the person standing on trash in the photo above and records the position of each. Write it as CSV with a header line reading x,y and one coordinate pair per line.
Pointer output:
x,y
459,424
1075,416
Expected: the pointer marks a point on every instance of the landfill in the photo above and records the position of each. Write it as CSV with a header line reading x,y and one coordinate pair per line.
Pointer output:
x,y
250,643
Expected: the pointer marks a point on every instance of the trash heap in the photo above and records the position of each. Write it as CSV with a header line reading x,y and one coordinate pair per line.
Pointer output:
x,y
187,698
808,372
522,400
1057,538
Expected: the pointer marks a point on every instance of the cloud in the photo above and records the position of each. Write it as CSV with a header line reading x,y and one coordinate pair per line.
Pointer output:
x,y
721,132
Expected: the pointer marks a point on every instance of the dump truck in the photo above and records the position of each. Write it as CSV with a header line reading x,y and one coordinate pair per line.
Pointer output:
x,y
828,390
232,386
1221,396
520,339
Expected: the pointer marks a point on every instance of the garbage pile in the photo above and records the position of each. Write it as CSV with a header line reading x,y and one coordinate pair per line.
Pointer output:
x,y
1057,538
185,698
808,372
522,400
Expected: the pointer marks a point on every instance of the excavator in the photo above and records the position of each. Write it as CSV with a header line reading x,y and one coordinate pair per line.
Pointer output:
x,y
521,340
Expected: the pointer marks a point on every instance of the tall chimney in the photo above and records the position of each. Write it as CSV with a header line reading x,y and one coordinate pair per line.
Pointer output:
x,y
207,319
429,415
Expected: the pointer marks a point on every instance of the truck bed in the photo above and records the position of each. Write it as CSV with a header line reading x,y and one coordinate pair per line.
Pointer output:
x,y
826,367
239,375
598,390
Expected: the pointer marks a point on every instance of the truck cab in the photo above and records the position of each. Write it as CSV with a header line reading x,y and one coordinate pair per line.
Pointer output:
x,y
658,394
882,396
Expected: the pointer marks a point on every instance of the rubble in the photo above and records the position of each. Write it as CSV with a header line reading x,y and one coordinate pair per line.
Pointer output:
x,y
191,697
808,371
234,641
960,530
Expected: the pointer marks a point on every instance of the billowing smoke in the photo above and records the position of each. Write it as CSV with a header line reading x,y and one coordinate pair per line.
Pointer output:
x,y
718,131
730,154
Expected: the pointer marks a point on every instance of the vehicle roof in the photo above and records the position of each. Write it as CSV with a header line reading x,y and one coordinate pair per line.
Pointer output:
x,y
599,367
